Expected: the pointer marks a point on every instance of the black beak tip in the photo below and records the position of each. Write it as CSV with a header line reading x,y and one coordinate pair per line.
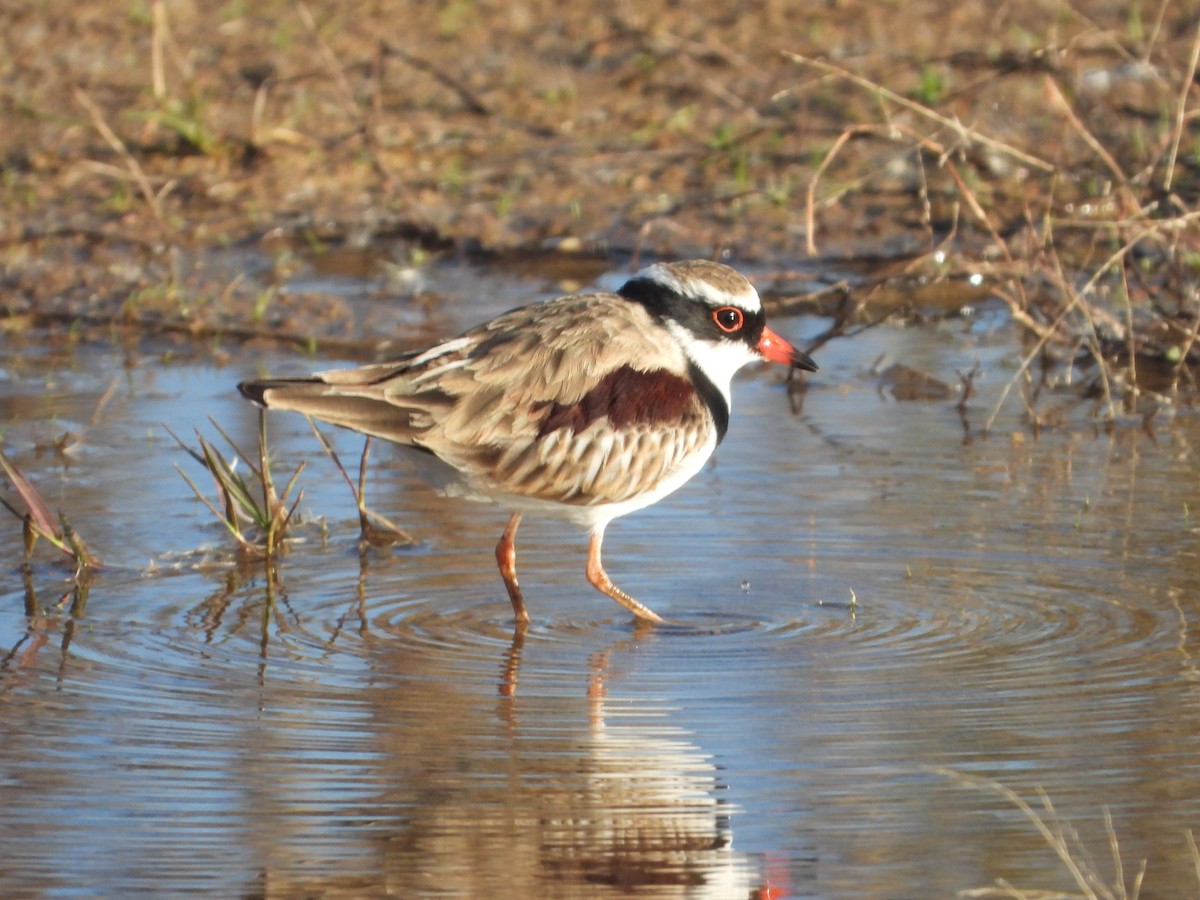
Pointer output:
x,y
803,362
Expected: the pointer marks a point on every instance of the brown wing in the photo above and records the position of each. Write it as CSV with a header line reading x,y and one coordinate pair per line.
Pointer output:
x,y
599,464
579,400
571,400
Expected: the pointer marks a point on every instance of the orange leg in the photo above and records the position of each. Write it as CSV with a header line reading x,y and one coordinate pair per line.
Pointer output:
x,y
506,559
601,582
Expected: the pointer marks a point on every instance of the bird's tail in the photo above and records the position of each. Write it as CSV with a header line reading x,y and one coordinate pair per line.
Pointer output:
x,y
256,391
359,408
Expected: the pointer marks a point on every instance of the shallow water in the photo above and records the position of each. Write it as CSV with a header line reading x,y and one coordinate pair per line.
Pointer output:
x,y
867,613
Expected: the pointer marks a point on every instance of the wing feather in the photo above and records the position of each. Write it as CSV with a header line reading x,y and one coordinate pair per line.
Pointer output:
x,y
555,401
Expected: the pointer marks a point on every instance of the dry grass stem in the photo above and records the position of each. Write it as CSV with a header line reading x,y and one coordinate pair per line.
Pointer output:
x,y
375,529
1181,111
1191,839
350,104
158,76
1049,282
153,199
332,66
38,521
1060,102
1063,839
966,134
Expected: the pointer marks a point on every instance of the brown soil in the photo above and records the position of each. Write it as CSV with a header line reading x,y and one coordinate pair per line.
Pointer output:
x,y
154,155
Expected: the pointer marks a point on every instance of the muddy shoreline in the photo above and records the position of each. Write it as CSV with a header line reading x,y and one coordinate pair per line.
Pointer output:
x,y
164,166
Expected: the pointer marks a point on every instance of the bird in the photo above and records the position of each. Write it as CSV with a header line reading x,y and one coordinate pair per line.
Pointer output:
x,y
586,407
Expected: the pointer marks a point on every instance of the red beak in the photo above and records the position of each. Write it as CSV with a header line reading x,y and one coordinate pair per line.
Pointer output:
x,y
776,349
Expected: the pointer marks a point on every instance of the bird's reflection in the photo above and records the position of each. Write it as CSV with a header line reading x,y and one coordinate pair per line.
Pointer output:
x,y
649,810
495,764
583,791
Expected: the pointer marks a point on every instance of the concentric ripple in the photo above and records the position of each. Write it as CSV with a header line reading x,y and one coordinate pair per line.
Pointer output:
x,y
841,620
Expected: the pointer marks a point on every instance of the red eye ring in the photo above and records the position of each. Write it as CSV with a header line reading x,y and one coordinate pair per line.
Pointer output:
x,y
729,319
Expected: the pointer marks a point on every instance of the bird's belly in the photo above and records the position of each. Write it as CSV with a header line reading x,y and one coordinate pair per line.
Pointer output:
x,y
591,512
583,510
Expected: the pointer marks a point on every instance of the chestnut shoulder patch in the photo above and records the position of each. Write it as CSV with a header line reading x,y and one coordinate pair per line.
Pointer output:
x,y
625,397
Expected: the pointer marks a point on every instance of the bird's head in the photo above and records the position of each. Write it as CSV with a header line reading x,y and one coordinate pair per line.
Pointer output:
x,y
716,316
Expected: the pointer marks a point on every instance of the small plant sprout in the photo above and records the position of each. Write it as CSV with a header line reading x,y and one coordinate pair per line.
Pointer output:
x,y
40,522
245,500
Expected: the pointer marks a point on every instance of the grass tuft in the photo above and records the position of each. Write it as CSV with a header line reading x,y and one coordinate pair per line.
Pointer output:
x,y
249,506
40,522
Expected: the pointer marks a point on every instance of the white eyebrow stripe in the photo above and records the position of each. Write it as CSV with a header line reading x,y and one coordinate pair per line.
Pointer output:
x,y
702,289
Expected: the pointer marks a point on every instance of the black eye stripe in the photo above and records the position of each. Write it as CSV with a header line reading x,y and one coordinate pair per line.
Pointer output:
x,y
696,315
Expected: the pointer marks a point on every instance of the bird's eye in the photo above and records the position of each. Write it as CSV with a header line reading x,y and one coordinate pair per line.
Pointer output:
x,y
729,319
